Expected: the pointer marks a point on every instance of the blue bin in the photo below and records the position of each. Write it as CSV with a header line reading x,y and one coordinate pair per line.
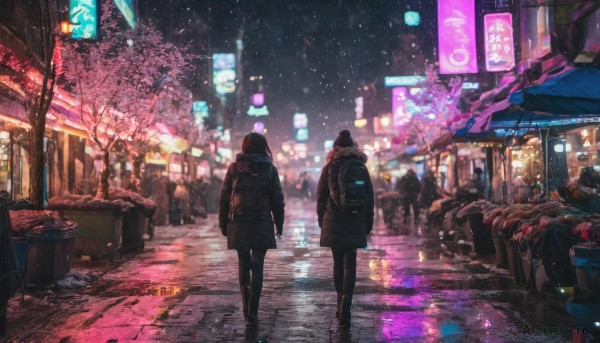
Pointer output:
x,y
21,249
585,315
587,263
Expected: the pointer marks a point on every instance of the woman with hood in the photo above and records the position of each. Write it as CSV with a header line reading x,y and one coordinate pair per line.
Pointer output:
x,y
344,218
251,205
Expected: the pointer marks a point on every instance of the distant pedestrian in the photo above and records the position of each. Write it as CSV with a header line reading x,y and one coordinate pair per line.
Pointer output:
x,y
182,197
409,188
250,205
345,209
430,190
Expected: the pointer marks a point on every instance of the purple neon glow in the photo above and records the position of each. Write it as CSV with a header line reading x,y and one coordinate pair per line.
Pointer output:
x,y
456,36
499,44
258,99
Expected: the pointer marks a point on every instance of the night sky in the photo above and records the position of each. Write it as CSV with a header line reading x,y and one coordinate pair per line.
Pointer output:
x,y
313,55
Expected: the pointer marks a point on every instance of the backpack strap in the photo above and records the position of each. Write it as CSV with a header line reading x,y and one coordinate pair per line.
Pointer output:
x,y
234,177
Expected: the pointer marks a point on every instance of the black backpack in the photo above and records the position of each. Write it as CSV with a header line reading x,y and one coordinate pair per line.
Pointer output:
x,y
351,186
250,194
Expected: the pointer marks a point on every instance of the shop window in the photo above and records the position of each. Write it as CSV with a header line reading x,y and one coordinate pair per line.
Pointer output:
x,y
526,172
5,183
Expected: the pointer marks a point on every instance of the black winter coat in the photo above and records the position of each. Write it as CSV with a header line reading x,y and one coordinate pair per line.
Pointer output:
x,y
252,227
339,229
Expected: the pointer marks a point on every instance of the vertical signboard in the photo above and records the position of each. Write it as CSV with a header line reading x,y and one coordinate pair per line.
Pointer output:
x,y
400,113
200,110
301,127
83,15
224,73
499,43
456,36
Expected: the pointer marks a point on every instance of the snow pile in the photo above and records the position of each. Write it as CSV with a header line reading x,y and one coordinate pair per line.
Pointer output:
x,y
75,280
41,224
87,202
147,205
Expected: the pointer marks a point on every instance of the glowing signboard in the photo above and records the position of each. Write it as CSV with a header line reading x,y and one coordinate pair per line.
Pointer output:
x,y
407,81
254,111
259,127
224,73
456,36
300,120
400,113
301,134
83,15
200,110
126,8
499,44
412,18
258,99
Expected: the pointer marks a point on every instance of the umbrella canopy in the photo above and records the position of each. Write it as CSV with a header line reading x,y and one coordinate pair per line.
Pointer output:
x,y
575,92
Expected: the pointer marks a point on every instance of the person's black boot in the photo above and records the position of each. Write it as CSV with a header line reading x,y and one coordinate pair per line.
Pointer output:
x,y
252,320
245,290
339,305
344,320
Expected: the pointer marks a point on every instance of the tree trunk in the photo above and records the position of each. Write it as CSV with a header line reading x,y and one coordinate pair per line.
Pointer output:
x,y
137,171
102,192
36,166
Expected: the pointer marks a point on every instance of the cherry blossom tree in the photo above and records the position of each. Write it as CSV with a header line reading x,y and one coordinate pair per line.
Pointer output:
x,y
34,79
118,79
434,111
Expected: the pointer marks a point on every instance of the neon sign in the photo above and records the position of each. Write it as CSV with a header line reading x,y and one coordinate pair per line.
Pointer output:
x,y
499,44
456,36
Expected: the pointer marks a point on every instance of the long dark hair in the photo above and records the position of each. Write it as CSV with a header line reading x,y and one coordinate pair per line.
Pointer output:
x,y
255,143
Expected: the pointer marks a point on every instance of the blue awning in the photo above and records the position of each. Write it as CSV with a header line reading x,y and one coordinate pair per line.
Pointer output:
x,y
576,92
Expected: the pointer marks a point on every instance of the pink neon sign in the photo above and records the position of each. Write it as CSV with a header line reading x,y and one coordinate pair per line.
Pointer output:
x,y
456,35
499,44
400,114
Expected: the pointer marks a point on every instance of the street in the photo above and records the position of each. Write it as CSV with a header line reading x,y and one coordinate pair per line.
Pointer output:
x,y
184,288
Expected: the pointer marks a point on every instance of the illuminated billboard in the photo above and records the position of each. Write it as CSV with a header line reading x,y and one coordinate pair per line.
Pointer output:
x,y
456,37
83,15
499,44
224,73
126,8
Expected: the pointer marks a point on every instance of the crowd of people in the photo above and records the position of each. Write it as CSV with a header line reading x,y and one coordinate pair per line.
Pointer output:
x,y
411,193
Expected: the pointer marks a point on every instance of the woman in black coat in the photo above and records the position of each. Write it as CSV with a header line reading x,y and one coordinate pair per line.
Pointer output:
x,y
251,204
344,230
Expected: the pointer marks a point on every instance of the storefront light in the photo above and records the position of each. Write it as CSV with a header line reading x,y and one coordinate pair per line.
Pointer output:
x,y
559,148
4,135
587,143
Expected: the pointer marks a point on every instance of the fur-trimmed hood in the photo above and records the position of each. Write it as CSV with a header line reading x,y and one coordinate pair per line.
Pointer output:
x,y
350,152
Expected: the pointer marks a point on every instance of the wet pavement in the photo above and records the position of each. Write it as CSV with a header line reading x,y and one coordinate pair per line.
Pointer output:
x,y
184,288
